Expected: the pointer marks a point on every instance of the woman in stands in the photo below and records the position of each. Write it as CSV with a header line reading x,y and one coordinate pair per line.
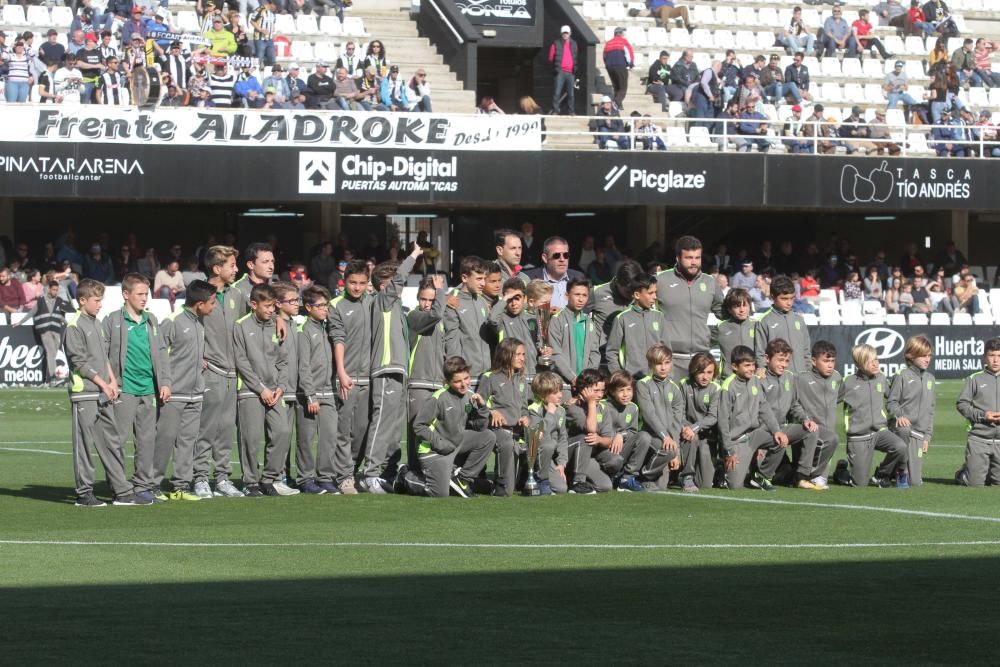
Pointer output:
x,y
376,57
420,92
19,77
235,26
939,56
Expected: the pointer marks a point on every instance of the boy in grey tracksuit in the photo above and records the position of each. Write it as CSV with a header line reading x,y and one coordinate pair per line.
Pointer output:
x,y
390,358
553,450
701,415
818,391
623,415
261,364
746,425
592,462
661,408
508,396
606,301
349,326
218,409
465,326
979,403
509,319
865,421
911,405
92,385
781,395
180,418
635,330
781,322
686,304
451,431
573,336
139,357
316,408
426,354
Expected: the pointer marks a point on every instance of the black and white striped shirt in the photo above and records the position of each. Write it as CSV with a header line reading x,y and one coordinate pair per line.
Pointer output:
x,y
176,67
264,18
114,89
222,89
107,52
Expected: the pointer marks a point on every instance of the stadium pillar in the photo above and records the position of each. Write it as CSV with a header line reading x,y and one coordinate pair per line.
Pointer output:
x,y
322,225
646,225
7,217
960,230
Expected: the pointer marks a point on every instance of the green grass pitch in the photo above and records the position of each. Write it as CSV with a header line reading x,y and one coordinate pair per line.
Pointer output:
x,y
793,577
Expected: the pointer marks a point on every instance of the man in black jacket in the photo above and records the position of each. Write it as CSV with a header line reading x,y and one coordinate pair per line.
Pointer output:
x,y
658,79
683,74
556,271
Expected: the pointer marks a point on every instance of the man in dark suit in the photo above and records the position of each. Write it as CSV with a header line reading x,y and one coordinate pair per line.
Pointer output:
x,y
555,269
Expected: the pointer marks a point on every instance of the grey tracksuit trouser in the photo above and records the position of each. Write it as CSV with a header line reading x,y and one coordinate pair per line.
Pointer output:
x,y
353,418
416,398
746,454
94,429
258,421
321,428
507,458
634,450
982,458
176,433
696,462
386,429
470,456
914,454
596,464
215,437
136,415
860,451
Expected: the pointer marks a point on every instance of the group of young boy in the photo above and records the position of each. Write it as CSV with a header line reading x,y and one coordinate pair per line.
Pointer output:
x,y
484,369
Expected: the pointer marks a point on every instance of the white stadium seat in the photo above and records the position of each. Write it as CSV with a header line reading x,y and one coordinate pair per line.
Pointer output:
x,y
961,319
591,10
983,319
614,11
306,24
918,319
940,319
38,16
895,320
330,25
354,26
62,17
284,24
14,15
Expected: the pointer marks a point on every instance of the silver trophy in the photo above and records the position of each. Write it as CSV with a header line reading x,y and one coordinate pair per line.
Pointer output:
x,y
543,315
534,434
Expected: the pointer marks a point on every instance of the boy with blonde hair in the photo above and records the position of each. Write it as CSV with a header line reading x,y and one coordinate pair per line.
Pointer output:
x,y
661,408
547,414
911,404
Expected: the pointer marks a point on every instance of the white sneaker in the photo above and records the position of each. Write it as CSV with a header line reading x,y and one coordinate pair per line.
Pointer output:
x,y
227,489
347,487
202,489
820,483
373,485
285,490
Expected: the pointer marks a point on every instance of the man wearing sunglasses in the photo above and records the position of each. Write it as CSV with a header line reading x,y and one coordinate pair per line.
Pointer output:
x,y
555,270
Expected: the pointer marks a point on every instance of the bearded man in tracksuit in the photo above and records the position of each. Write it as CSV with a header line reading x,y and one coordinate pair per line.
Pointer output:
x,y
390,356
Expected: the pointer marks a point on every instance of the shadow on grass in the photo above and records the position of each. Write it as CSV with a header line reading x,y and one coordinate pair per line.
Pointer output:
x,y
53,494
903,611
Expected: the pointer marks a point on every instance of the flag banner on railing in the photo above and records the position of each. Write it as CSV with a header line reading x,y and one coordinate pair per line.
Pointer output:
x,y
161,35
275,128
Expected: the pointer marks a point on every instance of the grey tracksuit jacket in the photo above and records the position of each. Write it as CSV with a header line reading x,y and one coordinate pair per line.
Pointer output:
x,y
508,395
290,347
729,334
782,397
792,328
980,394
605,302
427,344
742,410
523,327
576,420
686,306
184,337
911,395
563,343
219,331
115,331
661,406
314,361
622,419
349,323
87,355
390,344
442,422
554,429
260,358
819,396
633,332
864,404
701,405
466,331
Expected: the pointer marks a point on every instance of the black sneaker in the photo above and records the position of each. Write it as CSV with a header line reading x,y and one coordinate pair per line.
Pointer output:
x,y
129,499
253,491
461,487
842,475
880,482
583,489
89,500
268,489
482,486
399,484
962,476
758,481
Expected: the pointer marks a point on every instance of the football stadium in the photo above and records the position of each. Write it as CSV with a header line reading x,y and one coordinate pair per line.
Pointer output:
x,y
318,319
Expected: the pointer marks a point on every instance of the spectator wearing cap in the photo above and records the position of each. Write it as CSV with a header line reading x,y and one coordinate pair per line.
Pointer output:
x,y
986,131
419,92
85,19
610,127
134,25
775,86
837,34
91,66
137,53
296,87
280,86
945,138
794,132
319,87
658,78
174,63
798,73
248,89
223,44
879,133
51,51
664,11
222,83
393,91
896,86
855,133
619,58
159,22
563,59
746,278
